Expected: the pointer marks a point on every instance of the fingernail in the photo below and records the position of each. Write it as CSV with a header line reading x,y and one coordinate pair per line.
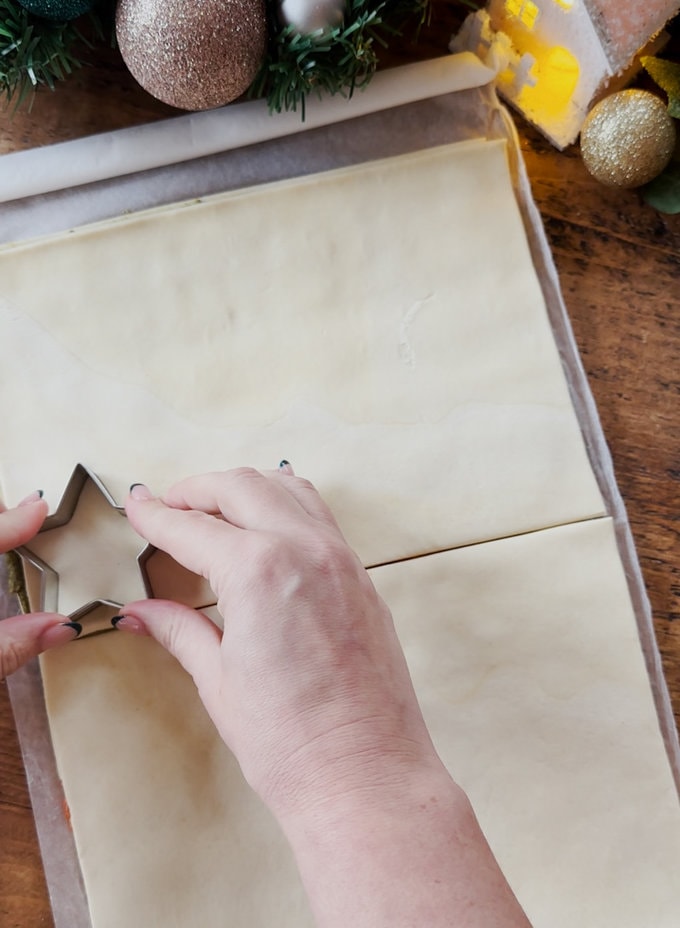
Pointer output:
x,y
128,623
285,466
140,491
31,498
60,634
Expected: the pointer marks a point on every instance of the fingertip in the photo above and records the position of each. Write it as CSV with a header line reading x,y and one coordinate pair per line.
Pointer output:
x,y
179,628
140,491
187,634
59,634
129,623
34,497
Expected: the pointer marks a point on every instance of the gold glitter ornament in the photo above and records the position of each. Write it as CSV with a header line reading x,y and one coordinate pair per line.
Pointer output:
x,y
192,54
627,139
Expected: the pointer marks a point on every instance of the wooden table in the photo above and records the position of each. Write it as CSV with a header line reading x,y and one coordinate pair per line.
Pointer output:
x,y
619,263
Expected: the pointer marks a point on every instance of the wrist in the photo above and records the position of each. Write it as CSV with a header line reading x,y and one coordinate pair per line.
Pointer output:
x,y
381,855
367,759
352,797
406,852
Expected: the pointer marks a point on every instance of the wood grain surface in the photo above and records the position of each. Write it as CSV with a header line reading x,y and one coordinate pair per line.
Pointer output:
x,y
619,263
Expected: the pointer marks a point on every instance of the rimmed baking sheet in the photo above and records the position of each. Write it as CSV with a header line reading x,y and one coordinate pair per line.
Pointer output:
x,y
465,114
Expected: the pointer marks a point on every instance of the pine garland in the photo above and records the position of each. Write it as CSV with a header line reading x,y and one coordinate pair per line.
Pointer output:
x,y
339,59
37,52
34,51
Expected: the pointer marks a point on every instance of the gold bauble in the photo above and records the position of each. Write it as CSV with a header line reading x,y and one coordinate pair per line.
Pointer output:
x,y
192,54
627,139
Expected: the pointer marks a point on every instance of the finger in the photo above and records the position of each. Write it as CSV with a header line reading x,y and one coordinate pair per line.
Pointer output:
x,y
31,498
23,637
194,539
19,525
187,634
309,498
305,493
245,500
245,497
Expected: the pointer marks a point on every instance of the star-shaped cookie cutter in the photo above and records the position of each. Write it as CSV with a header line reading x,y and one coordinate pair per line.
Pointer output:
x,y
49,578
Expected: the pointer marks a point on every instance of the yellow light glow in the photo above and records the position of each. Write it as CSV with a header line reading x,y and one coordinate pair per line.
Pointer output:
x,y
525,11
565,4
557,73
529,14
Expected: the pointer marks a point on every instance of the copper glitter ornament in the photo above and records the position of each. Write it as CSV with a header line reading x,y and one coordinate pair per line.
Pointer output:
x,y
627,139
192,54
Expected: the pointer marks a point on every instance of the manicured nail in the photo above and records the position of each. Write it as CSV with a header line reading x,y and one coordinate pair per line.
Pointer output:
x,y
286,467
140,491
60,634
31,498
128,623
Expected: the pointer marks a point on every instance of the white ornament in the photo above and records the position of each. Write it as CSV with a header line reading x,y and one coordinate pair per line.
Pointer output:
x,y
309,16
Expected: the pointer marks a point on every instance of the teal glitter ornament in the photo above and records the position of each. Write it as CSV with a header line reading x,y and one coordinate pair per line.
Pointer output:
x,y
57,10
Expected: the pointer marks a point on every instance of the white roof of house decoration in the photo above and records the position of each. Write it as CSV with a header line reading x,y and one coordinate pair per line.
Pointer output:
x,y
625,26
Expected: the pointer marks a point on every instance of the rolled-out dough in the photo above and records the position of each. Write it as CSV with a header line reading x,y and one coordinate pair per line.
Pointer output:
x,y
382,327
382,321
525,657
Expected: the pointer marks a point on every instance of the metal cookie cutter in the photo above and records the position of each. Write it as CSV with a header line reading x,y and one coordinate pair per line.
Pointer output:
x,y
49,578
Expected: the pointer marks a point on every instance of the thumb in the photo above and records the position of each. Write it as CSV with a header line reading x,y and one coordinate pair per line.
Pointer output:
x,y
187,634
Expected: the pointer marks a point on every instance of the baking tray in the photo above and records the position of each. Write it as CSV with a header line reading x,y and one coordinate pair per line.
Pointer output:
x,y
374,132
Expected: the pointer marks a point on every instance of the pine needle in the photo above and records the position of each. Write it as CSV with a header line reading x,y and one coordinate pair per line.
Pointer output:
x,y
36,52
338,60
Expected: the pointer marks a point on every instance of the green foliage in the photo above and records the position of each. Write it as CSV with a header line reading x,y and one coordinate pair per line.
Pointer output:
x,y
337,60
667,76
663,193
35,51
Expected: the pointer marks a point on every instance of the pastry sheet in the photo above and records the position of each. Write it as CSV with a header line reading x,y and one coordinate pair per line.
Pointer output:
x,y
525,657
274,322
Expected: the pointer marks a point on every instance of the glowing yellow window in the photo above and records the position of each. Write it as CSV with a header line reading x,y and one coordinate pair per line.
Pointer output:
x,y
524,10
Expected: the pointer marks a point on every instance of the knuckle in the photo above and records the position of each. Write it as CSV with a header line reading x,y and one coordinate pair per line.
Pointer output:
x,y
304,484
270,561
269,555
244,473
330,552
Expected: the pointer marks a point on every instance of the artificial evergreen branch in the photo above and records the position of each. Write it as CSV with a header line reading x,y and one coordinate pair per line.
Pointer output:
x,y
339,59
667,75
35,51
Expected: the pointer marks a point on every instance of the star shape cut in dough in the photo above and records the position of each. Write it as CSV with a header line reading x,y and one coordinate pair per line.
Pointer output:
x,y
87,554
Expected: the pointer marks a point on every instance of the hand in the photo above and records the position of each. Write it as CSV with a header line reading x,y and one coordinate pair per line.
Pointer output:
x,y
308,684
309,687
25,636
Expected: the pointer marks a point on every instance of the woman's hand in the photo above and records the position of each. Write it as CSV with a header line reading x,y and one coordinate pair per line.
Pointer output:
x,y
25,636
308,684
309,687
